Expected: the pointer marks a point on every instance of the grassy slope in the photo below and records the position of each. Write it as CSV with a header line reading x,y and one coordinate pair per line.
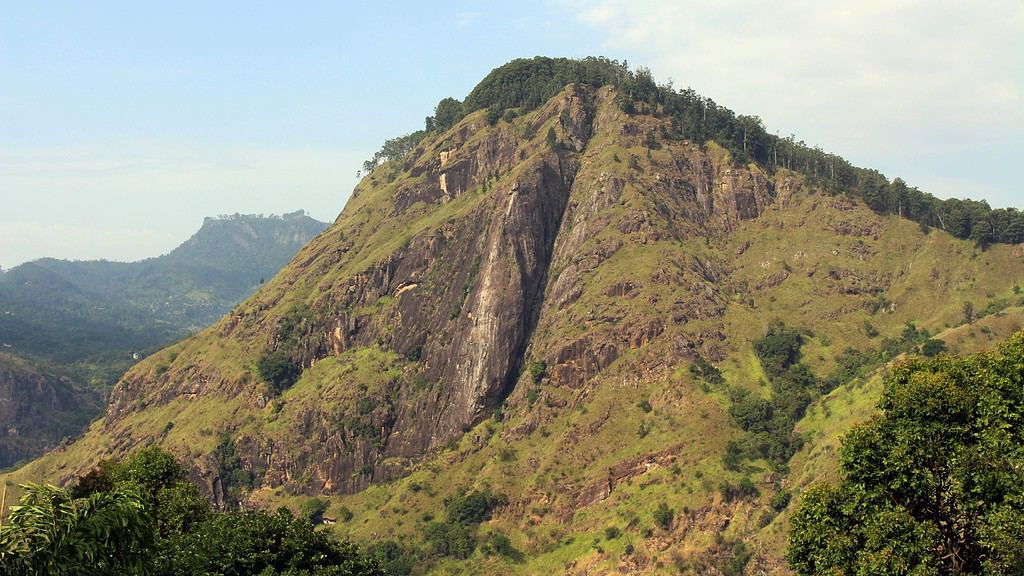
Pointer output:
x,y
536,469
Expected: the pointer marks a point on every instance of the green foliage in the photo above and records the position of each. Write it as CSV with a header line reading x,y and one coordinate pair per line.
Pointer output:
x,y
234,476
150,468
663,516
455,537
394,149
500,544
869,329
472,507
968,311
446,114
769,423
537,370
652,141
932,485
50,532
528,83
781,499
778,349
255,542
312,509
706,371
852,363
178,507
449,539
345,514
394,558
276,368
736,558
174,504
141,516
493,115
612,532
643,429
532,394
932,347
744,489
96,480
552,139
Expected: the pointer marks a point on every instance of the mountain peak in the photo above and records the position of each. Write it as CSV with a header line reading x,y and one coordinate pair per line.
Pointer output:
x,y
559,290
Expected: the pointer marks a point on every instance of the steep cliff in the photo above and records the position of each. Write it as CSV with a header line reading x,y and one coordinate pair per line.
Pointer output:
x,y
526,303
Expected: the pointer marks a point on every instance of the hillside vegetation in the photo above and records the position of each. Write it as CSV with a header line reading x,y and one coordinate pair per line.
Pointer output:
x,y
567,332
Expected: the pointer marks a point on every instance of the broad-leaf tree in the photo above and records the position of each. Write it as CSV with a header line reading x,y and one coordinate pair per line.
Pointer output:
x,y
932,485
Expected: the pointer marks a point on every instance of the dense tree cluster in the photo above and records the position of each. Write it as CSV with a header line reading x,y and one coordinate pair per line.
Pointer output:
x,y
933,484
276,368
143,516
456,536
529,82
769,423
459,535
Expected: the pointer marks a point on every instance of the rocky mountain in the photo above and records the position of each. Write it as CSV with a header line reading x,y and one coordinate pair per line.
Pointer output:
x,y
89,321
563,309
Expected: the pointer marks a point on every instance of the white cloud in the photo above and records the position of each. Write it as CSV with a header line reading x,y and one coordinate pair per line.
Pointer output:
x,y
131,200
871,80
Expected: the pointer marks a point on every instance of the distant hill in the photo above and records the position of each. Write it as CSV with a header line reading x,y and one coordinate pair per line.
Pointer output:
x,y
69,329
97,317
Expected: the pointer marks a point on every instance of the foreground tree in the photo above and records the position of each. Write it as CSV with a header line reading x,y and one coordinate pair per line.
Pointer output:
x,y
255,542
52,533
932,485
143,516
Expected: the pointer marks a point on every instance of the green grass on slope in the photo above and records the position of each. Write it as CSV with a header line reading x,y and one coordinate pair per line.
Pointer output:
x,y
829,419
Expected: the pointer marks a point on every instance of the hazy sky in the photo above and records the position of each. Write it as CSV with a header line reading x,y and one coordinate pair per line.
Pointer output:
x,y
123,124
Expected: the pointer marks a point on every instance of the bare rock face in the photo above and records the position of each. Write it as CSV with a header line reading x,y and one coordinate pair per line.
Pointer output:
x,y
499,278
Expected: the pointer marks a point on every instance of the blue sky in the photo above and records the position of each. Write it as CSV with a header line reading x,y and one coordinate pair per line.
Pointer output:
x,y
123,124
